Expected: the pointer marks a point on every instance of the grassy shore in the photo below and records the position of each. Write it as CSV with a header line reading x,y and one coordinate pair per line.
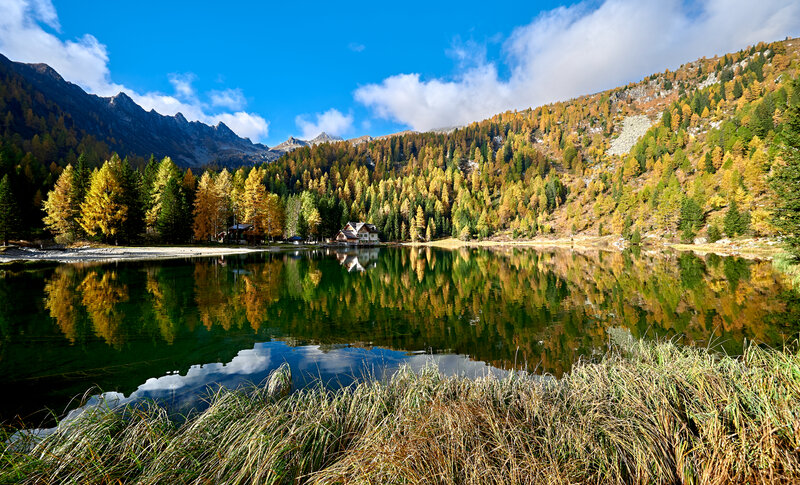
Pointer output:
x,y
645,413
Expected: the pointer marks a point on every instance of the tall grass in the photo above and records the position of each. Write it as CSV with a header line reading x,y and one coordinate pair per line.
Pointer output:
x,y
646,413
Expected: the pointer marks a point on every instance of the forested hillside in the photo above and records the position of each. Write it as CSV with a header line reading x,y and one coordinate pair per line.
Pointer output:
x,y
711,149
711,144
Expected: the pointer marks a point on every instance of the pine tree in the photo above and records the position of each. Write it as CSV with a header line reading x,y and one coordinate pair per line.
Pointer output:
x,y
60,212
166,170
732,221
302,227
786,181
130,184
9,220
80,184
103,212
171,224
714,234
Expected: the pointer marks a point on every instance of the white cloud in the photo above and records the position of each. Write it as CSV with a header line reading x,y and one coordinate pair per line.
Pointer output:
x,y
356,47
229,98
84,61
245,124
332,122
570,51
182,83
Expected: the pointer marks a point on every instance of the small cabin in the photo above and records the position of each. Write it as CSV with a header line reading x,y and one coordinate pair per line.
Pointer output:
x,y
239,233
358,233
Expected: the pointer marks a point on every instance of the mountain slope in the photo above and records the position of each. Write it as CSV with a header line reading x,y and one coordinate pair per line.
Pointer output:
x,y
682,153
124,126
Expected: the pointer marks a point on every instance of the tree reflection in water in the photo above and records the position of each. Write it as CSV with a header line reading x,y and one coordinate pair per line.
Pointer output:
x,y
118,325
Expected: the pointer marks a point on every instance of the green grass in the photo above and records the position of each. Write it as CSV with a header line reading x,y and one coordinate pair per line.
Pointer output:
x,y
646,413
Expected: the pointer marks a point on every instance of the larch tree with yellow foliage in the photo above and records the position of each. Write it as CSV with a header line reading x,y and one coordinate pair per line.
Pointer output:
x,y
104,212
253,201
208,216
61,214
273,216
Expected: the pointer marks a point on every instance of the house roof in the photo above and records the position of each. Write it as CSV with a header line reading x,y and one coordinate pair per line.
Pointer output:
x,y
240,227
348,234
357,226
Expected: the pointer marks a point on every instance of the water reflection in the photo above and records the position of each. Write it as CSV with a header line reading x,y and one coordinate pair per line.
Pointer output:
x,y
119,326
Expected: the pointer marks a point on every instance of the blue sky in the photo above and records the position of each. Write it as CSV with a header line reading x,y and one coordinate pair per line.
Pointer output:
x,y
288,58
274,69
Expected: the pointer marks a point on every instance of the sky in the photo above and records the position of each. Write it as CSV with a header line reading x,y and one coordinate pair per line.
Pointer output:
x,y
270,70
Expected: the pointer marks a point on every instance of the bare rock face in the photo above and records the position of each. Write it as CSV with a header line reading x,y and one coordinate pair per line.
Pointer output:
x,y
324,138
633,128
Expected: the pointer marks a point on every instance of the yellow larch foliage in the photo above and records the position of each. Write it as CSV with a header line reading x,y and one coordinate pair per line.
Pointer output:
x,y
104,211
59,206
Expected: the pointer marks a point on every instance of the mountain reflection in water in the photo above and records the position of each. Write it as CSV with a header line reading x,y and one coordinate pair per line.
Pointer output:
x,y
163,329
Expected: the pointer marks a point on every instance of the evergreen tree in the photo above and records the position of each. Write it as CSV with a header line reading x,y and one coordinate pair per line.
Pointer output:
x,y
691,218
735,222
709,163
714,234
130,184
80,184
302,227
786,182
166,170
9,221
171,223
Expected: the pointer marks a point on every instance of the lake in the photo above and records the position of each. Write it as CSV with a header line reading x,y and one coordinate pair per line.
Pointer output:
x,y
173,330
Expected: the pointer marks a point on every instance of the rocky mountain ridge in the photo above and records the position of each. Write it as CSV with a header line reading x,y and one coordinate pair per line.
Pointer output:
x,y
131,130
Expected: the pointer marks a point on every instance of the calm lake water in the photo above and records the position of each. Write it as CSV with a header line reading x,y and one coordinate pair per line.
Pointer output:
x,y
171,330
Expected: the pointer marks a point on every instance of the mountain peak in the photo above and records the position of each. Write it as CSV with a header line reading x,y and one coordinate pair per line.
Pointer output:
x,y
127,128
324,138
47,71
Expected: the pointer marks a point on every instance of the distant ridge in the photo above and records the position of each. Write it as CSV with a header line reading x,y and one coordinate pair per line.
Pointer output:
x,y
130,130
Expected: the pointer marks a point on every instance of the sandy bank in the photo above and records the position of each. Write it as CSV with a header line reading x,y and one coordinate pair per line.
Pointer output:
x,y
122,253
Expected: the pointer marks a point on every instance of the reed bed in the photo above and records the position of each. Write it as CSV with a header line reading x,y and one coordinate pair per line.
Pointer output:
x,y
647,412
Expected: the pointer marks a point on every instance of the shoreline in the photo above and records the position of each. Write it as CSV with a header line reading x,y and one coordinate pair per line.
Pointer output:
x,y
751,248
487,430
13,255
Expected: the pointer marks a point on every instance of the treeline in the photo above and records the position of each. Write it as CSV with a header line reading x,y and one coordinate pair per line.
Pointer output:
x,y
710,166
162,203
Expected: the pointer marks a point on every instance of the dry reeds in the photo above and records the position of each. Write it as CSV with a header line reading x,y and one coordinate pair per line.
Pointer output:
x,y
647,413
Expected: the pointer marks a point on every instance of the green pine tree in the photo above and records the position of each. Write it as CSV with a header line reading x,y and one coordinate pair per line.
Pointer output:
x,y
714,234
786,181
9,221
736,222
172,222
